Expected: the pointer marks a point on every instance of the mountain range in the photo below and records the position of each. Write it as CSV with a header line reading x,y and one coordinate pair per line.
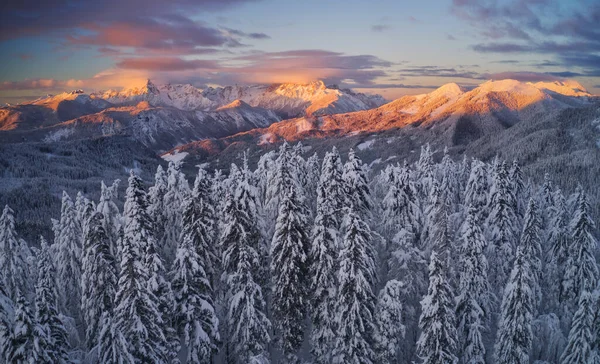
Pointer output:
x,y
73,140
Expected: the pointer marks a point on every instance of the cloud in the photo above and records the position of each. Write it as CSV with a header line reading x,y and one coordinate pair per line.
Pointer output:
x,y
378,28
40,84
240,33
166,64
435,71
568,32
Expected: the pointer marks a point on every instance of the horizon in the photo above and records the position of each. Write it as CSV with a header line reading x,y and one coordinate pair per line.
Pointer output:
x,y
57,47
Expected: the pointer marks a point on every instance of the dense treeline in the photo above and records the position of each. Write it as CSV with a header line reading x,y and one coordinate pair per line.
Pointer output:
x,y
302,260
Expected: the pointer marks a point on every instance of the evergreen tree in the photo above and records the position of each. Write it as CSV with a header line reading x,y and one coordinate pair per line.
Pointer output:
x,y
47,316
7,314
289,269
98,279
330,193
112,217
390,330
156,203
472,302
13,266
195,314
438,340
514,336
277,186
68,259
530,242
136,313
112,346
28,342
177,190
581,339
502,228
355,318
356,186
581,270
477,188
324,261
400,206
248,326
558,245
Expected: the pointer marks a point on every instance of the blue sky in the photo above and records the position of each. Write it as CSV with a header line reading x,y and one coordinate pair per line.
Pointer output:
x,y
388,47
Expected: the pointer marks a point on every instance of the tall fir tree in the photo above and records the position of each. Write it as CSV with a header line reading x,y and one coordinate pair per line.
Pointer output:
x,y
501,228
7,314
112,217
47,316
136,313
356,185
98,279
247,324
195,315
556,256
68,259
514,336
581,270
474,296
476,194
156,202
289,269
438,341
324,265
28,341
531,244
390,330
355,316
581,339
112,346
13,262
177,190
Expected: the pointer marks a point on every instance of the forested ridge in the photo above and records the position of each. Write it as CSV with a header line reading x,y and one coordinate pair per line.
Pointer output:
x,y
309,260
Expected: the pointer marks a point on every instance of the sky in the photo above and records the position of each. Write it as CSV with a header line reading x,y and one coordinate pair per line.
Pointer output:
x,y
388,47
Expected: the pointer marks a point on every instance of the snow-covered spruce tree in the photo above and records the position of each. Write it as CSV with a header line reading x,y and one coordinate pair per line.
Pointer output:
x,y
136,313
112,346
477,189
581,339
530,242
400,206
247,324
112,217
356,186
177,190
449,182
195,315
556,255
323,282
514,336
202,217
438,341
156,206
68,259
289,270
408,265
13,262
7,314
390,330
355,312
276,186
501,228
436,232
46,304
545,200
581,270
473,300
98,279
28,341
330,192
595,357
424,170
161,289
313,170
